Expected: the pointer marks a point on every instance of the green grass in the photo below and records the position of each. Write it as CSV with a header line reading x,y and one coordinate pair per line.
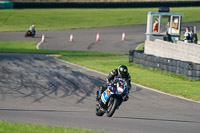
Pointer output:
x,y
6,127
105,62
156,79
140,47
17,45
60,19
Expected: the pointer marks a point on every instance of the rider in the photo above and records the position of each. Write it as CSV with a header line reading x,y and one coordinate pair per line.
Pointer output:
x,y
121,73
32,29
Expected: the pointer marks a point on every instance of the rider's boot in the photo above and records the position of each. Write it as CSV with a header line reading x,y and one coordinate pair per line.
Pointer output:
x,y
126,98
102,106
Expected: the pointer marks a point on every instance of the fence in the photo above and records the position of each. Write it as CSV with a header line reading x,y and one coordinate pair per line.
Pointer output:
x,y
105,4
188,69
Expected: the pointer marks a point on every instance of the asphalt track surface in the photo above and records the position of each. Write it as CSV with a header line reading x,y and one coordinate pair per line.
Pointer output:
x,y
40,89
85,39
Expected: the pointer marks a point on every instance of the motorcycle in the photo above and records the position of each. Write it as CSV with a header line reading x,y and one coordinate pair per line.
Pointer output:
x,y
29,33
111,98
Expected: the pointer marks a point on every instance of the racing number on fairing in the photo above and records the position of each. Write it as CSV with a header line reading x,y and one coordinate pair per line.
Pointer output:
x,y
108,92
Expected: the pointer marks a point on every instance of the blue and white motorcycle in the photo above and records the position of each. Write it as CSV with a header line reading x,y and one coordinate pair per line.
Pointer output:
x,y
111,98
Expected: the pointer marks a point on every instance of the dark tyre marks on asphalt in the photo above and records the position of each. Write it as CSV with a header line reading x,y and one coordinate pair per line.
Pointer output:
x,y
39,77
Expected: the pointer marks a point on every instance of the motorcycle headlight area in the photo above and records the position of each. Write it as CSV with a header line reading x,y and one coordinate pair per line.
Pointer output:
x,y
120,90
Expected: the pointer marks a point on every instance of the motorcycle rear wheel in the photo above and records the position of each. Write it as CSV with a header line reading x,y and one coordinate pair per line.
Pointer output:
x,y
112,106
26,35
99,112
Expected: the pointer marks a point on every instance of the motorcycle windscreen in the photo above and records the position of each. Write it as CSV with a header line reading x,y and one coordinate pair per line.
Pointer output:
x,y
105,96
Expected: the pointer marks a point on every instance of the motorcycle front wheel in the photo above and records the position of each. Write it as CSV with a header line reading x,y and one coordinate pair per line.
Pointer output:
x,y
112,106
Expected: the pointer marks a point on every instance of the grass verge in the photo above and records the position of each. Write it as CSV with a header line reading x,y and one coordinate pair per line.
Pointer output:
x,y
105,62
28,45
59,19
156,79
6,127
140,47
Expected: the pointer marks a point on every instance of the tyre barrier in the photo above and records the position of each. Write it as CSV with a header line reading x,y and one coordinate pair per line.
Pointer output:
x,y
105,4
189,70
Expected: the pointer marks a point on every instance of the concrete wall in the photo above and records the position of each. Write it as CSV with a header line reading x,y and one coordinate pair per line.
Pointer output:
x,y
179,51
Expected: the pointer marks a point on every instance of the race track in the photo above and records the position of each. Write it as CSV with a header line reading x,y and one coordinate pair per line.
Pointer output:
x,y
85,39
40,89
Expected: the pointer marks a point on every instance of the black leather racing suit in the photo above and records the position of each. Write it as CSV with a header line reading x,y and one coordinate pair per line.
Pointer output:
x,y
114,74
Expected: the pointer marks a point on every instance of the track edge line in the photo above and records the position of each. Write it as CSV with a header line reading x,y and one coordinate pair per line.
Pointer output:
x,y
151,89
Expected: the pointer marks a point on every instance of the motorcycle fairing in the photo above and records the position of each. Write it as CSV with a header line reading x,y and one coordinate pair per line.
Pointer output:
x,y
106,95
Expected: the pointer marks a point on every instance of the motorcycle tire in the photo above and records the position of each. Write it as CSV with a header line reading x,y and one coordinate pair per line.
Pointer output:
x,y
99,112
113,102
26,35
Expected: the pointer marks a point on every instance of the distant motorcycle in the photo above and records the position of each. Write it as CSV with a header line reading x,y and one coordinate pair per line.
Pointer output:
x,y
29,33
111,98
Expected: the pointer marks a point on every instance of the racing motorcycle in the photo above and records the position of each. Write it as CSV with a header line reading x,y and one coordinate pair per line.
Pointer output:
x,y
29,33
111,98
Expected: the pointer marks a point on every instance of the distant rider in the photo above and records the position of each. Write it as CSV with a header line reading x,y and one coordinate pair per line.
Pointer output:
x,y
32,30
121,73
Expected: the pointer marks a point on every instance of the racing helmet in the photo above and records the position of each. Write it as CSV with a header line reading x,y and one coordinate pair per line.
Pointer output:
x,y
123,70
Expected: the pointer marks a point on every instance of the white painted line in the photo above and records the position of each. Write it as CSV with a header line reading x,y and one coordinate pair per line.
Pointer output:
x,y
37,47
132,83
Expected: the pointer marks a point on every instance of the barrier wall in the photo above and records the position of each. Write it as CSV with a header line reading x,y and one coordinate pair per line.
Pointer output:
x,y
188,69
105,4
179,51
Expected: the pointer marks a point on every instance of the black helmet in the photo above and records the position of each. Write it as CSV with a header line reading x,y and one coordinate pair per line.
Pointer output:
x,y
123,70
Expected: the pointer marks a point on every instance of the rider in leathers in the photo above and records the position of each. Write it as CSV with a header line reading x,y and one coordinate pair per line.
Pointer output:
x,y
32,30
122,73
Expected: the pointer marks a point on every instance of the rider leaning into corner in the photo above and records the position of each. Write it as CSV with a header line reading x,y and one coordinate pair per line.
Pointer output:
x,y
121,73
